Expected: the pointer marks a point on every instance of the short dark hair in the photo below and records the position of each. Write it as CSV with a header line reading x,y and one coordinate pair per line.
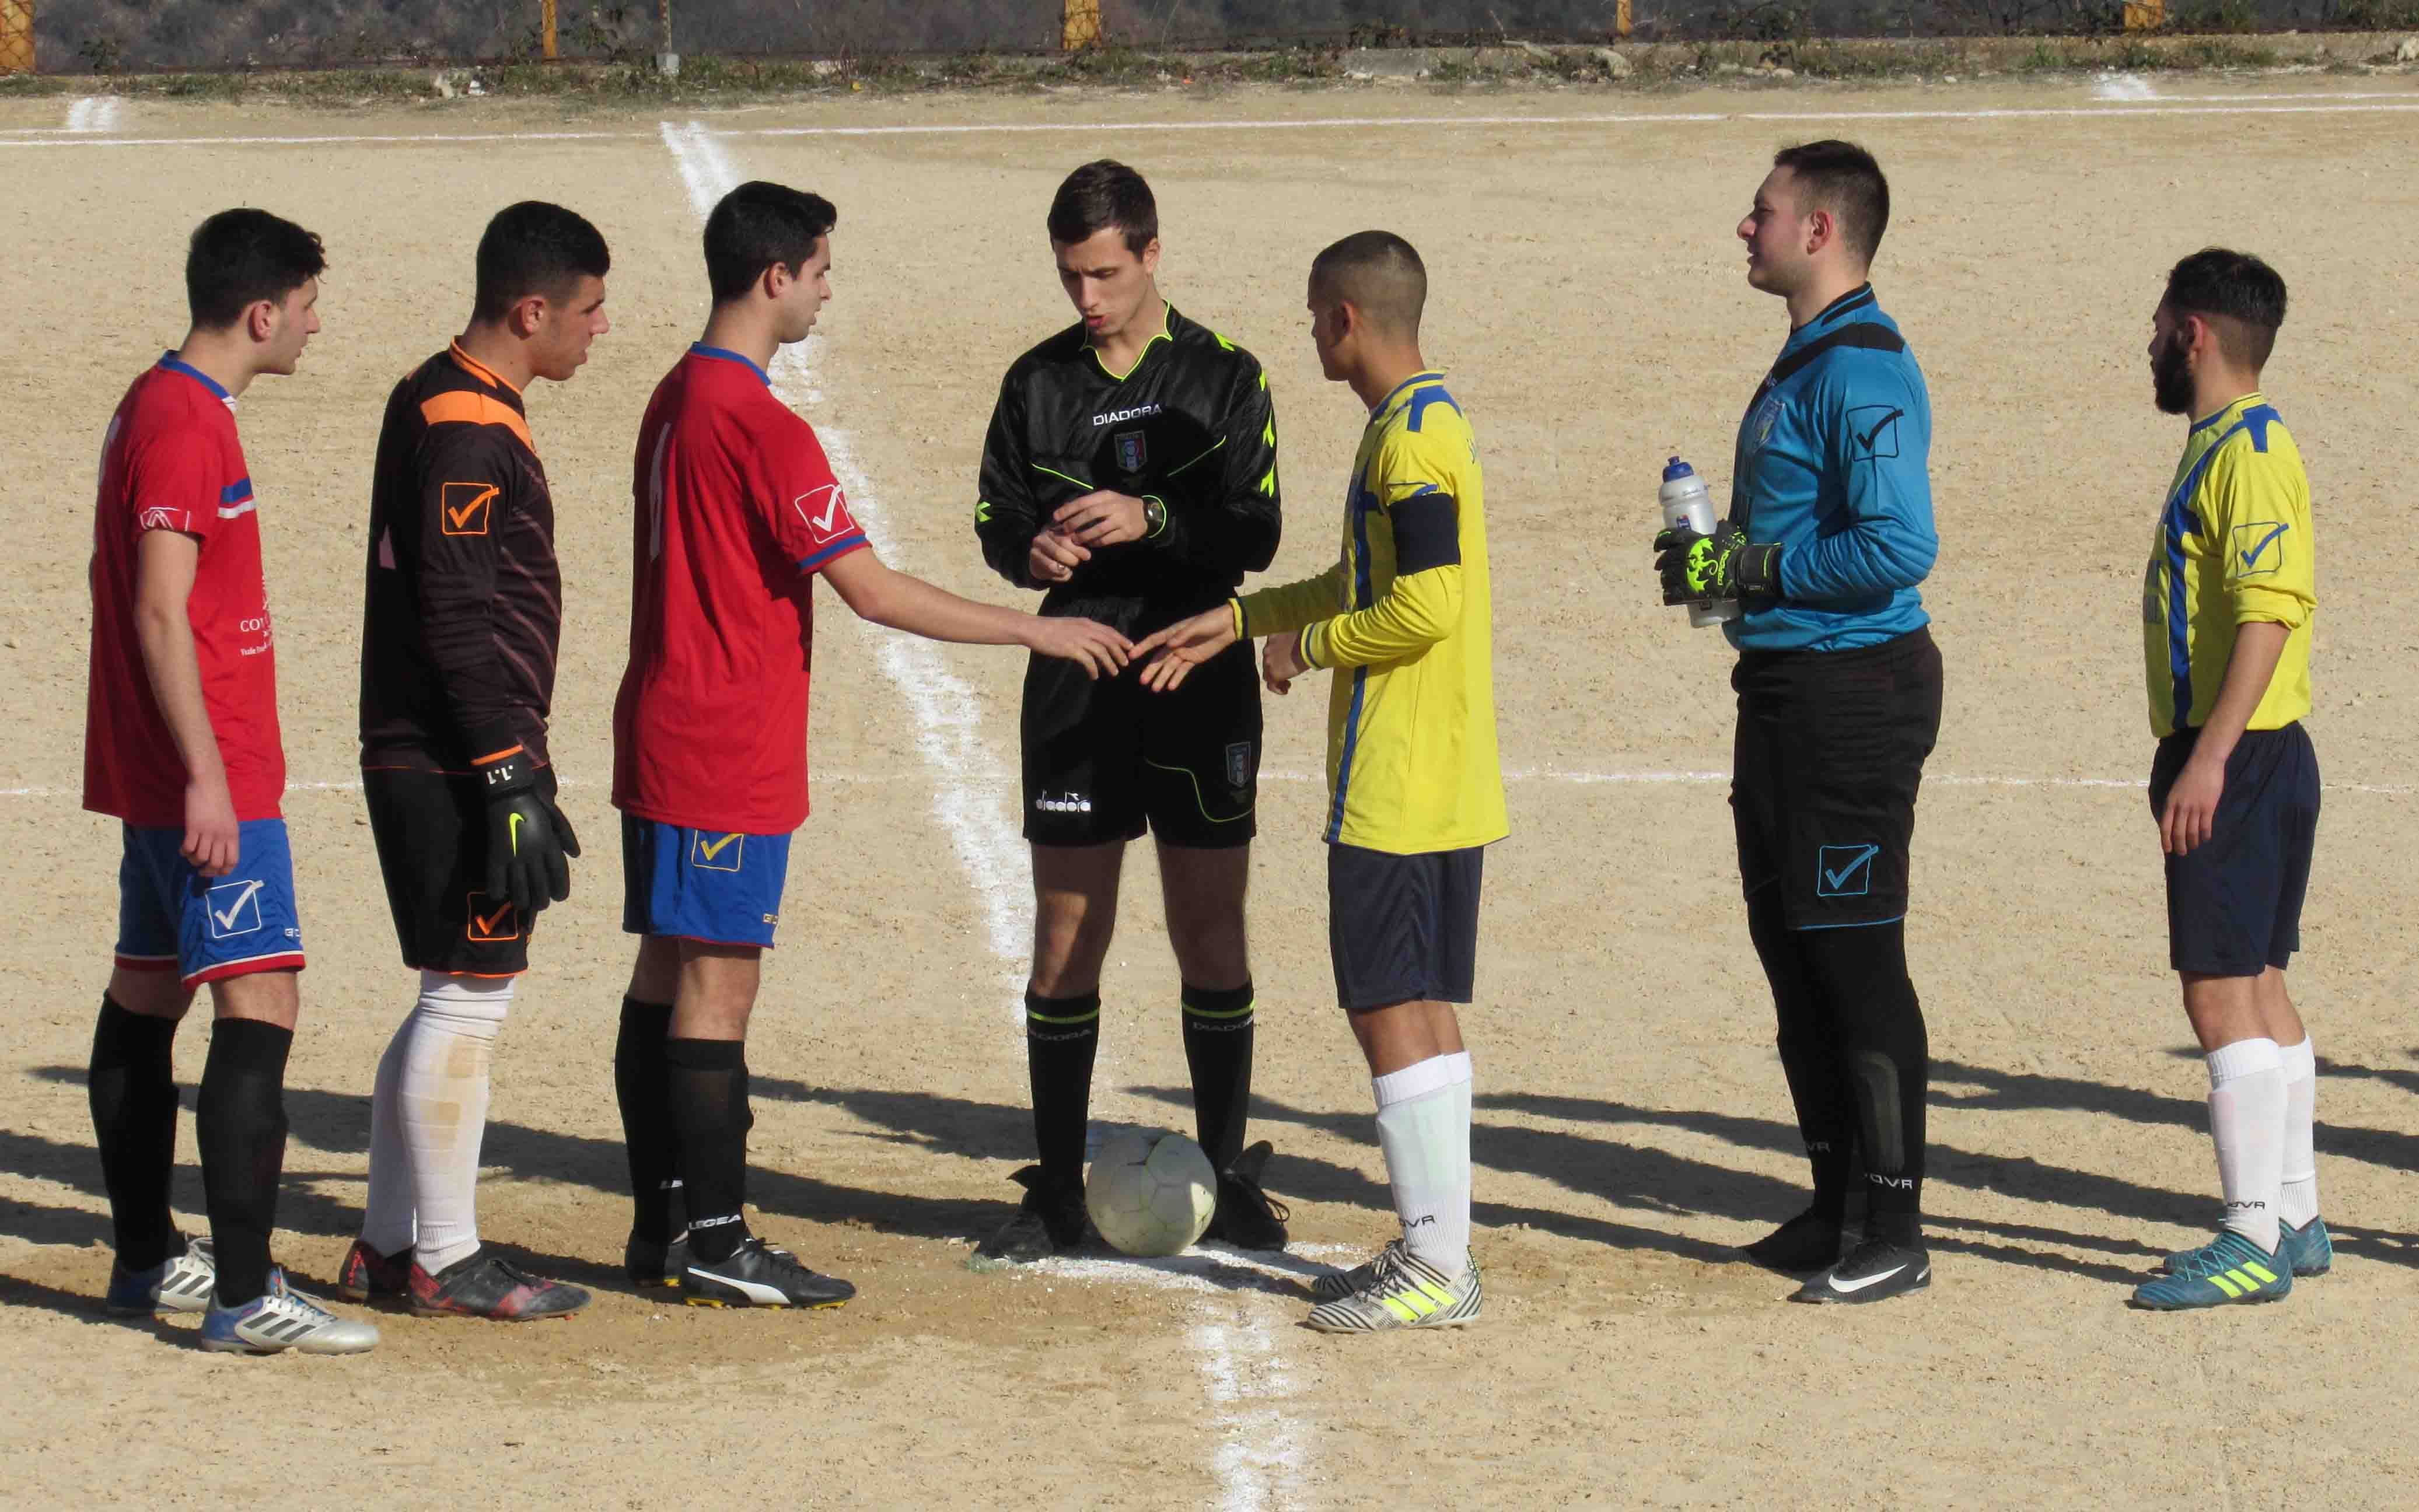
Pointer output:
x,y
1101,194
240,257
1380,274
1843,179
2241,298
758,224
535,248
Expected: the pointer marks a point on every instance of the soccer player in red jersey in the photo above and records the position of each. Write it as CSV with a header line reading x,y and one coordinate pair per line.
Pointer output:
x,y
181,745
458,645
737,515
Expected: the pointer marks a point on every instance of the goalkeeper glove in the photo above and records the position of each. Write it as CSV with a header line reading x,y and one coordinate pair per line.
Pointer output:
x,y
528,838
1699,569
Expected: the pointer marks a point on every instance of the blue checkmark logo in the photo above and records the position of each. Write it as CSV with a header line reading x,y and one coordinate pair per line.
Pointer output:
x,y
2251,544
1845,870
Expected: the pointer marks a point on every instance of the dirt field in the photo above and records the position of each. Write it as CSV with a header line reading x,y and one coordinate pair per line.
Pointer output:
x,y
1633,1125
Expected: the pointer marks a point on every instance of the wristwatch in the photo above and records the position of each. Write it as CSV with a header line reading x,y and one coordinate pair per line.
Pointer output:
x,y
1154,515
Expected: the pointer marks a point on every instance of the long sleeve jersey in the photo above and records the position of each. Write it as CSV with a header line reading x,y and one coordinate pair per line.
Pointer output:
x,y
465,611
1191,424
1833,465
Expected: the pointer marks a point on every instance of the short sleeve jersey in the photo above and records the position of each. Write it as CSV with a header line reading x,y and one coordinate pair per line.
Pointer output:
x,y
737,511
2232,546
172,462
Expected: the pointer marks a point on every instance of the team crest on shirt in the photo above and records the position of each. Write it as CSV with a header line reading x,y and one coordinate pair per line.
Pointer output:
x,y
825,513
1131,450
1767,415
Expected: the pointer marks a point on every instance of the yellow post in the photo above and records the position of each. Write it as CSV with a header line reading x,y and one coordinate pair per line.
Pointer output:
x,y
16,36
2145,15
1621,18
546,28
1083,25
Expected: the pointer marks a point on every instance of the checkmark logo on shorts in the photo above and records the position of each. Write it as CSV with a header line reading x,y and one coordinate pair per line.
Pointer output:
x,y
463,508
234,908
1845,870
497,926
2251,544
719,855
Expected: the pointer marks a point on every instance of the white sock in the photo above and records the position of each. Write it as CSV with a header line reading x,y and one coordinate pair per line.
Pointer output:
x,y
386,1217
2246,1119
1424,1130
443,1103
2301,1192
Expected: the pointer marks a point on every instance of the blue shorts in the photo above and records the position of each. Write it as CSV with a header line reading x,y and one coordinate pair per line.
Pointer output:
x,y
171,917
721,887
2234,902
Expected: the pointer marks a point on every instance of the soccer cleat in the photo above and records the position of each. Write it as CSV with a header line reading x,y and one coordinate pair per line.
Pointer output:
x,y
2228,1269
489,1286
280,1319
1344,1283
1403,1292
756,1274
1050,1221
1874,1271
651,1265
1247,1217
180,1283
368,1276
1808,1241
2310,1248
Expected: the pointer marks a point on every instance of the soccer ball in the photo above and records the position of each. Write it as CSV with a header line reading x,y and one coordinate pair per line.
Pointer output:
x,y
1151,1192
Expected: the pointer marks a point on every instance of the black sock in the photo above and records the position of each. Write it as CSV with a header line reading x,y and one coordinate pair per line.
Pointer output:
x,y
240,1120
1060,1036
1218,1049
642,1084
1809,1056
1887,1060
710,1118
132,1085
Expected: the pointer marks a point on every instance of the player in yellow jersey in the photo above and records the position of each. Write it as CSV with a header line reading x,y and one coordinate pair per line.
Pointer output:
x,y
2226,606
1415,789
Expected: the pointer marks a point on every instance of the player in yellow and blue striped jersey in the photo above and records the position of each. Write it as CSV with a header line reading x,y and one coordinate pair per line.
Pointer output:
x,y
2226,606
1403,619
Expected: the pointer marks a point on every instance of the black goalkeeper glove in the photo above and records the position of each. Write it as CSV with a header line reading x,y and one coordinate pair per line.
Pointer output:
x,y
529,841
1699,569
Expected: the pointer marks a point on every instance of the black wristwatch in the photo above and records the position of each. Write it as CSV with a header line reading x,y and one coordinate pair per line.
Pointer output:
x,y
1154,515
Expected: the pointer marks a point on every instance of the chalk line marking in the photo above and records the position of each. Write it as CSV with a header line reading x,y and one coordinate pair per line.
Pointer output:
x,y
2122,88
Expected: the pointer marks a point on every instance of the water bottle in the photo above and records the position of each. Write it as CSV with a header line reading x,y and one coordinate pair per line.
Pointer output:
x,y
1686,502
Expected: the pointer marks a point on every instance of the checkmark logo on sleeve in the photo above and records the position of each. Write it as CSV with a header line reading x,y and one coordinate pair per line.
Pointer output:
x,y
1845,870
2261,536
465,508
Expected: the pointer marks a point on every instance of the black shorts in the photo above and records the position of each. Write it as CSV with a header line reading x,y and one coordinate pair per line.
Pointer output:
x,y
1829,756
2234,902
432,847
1402,927
1106,760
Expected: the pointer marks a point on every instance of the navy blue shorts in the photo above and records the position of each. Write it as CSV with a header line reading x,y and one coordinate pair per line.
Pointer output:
x,y
2234,903
721,887
1402,928
171,917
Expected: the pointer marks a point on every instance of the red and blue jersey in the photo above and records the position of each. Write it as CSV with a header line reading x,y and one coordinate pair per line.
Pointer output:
x,y
737,511
171,461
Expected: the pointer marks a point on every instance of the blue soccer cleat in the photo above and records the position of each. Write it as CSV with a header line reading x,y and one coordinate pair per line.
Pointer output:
x,y
2310,1248
2228,1269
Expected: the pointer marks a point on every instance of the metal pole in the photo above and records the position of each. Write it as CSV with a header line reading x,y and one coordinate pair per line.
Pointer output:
x,y
546,28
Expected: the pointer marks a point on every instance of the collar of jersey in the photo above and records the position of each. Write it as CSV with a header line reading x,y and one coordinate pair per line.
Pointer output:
x,y
478,369
723,354
1859,298
175,364
1426,375
1167,315
2230,406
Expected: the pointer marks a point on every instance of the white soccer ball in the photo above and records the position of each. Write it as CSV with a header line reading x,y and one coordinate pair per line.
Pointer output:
x,y
1151,1192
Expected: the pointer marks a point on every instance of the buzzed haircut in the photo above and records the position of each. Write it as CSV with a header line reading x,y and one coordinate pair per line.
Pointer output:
x,y
2240,297
757,225
1101,194
1378,274
236,258
535,248
1843,179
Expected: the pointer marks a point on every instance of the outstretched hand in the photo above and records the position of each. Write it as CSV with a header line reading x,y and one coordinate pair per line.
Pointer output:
x,y
1098,648
1169,656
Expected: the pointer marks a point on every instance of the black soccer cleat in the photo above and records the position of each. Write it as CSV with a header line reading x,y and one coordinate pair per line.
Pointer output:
x,y
651,1265
1247,1217
1050,1221
1874,1271
1807,1243
756,1274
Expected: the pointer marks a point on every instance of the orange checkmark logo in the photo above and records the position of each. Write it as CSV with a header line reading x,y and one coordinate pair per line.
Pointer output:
x,y
464,507
498,927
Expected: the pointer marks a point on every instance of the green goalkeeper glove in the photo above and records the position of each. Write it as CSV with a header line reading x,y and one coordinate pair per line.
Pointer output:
x,y
1699,569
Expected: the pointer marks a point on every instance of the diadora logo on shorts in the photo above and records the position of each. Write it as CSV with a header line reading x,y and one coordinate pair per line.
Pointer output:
x,y
156,519
235,908
825,512
1062,803
1130,451
490,924
718,852
1845,870
1138,413
463,508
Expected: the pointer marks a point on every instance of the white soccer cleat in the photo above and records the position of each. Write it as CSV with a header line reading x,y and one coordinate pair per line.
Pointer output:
x,y
280,1319
181,1285
1336,1284
1403,1292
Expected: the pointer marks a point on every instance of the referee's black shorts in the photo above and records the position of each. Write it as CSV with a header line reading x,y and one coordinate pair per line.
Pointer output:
x,y
1106,758
1828,758
2234,902
431,831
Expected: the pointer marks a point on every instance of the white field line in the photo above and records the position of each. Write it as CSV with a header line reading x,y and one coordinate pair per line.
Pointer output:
x,y
2366,102
2122,88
